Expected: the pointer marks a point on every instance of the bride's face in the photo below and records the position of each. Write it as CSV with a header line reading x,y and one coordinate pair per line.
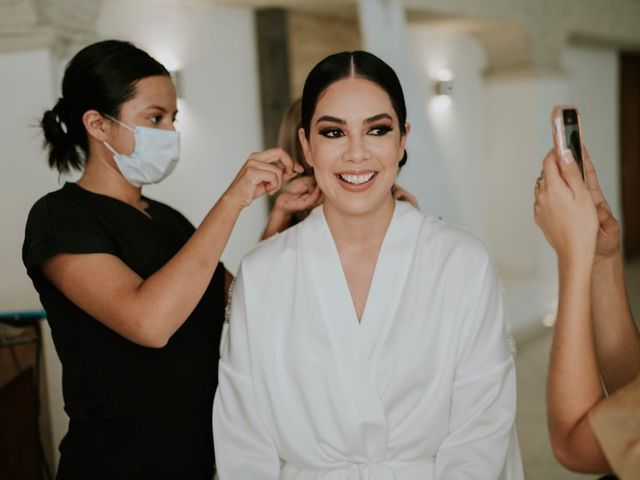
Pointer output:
x,y
354,145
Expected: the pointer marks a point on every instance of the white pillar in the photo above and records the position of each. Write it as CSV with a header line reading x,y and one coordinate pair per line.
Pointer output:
x,y
383,27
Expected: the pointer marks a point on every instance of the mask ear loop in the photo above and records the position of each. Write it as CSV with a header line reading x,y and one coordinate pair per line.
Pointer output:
x,y
111,149
119,123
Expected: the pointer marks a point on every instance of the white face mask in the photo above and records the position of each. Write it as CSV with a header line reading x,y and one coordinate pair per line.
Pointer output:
x,y
154,157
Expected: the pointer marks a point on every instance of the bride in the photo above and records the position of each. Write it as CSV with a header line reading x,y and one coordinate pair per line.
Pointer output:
x,y
369,341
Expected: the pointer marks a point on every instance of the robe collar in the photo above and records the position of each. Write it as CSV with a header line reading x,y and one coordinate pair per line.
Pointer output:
x,y
330,285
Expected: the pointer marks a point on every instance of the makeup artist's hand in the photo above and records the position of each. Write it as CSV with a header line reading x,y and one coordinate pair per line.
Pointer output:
x,y
263,172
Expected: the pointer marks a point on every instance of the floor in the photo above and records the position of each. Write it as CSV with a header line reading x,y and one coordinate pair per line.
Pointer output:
x,y
533,357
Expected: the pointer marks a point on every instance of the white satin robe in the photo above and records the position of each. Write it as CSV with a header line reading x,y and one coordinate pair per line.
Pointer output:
x,y
423,388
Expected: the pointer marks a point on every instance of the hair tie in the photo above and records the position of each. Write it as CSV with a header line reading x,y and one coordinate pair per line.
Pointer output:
x,y
58,112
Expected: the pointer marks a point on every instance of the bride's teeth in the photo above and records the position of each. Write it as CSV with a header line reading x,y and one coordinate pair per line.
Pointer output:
x,y
357,179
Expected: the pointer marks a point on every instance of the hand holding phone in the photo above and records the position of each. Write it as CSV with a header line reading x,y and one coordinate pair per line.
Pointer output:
x,y
566,127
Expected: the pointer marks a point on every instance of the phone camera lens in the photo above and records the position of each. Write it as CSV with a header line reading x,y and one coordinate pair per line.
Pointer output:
x,y
570,116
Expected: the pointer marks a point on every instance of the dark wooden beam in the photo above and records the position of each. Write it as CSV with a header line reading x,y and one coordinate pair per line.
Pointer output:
x,y
273,67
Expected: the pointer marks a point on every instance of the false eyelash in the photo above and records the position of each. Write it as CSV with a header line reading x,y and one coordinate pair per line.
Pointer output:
x,y
384,129
326,131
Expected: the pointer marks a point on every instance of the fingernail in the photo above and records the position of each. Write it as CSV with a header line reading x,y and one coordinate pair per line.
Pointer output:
x,y
567,158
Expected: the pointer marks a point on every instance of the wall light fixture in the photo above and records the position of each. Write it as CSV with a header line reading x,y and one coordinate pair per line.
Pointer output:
x,y
443,86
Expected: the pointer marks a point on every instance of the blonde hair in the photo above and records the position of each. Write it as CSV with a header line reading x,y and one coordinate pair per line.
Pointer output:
x,y
288,133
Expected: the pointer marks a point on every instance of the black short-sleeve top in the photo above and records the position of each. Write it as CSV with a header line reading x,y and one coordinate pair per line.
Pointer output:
x,y
107,379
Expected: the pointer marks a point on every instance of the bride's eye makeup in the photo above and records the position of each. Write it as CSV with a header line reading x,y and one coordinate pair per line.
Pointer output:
x,y
380,130
333,127
331,132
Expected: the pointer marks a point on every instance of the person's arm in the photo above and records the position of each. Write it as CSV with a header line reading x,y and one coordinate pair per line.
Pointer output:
x,y
299,195
400,193
565,213
614,422
481,440
243,446
616,335
573,383
149,311
617,339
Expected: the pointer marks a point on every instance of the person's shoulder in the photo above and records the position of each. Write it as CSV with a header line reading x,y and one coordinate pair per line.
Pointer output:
x,y
168,212
59,222
52,202
274,251
453,242
279,252
152,202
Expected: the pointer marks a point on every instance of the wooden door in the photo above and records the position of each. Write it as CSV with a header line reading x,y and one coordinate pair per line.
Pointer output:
x,y
630,151
19,449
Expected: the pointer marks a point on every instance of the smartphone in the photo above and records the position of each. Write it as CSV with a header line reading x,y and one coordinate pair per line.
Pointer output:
x,y
567,133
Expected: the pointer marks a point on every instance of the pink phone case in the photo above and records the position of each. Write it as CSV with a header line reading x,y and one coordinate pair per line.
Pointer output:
x,y
557,129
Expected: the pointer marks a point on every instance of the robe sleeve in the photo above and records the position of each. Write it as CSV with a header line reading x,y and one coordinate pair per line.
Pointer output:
x,y
244,449
481,442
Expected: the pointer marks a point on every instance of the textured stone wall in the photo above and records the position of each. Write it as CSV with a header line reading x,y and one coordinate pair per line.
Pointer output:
x,y
538,29
534,30
58,24
313,36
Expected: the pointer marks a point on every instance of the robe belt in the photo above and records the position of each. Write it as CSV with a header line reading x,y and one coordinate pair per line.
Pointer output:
x,y
364,471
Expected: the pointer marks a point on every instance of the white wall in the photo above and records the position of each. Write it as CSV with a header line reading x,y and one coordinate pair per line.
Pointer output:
x,y
26,90
492,140
457,133
593,85
518,134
